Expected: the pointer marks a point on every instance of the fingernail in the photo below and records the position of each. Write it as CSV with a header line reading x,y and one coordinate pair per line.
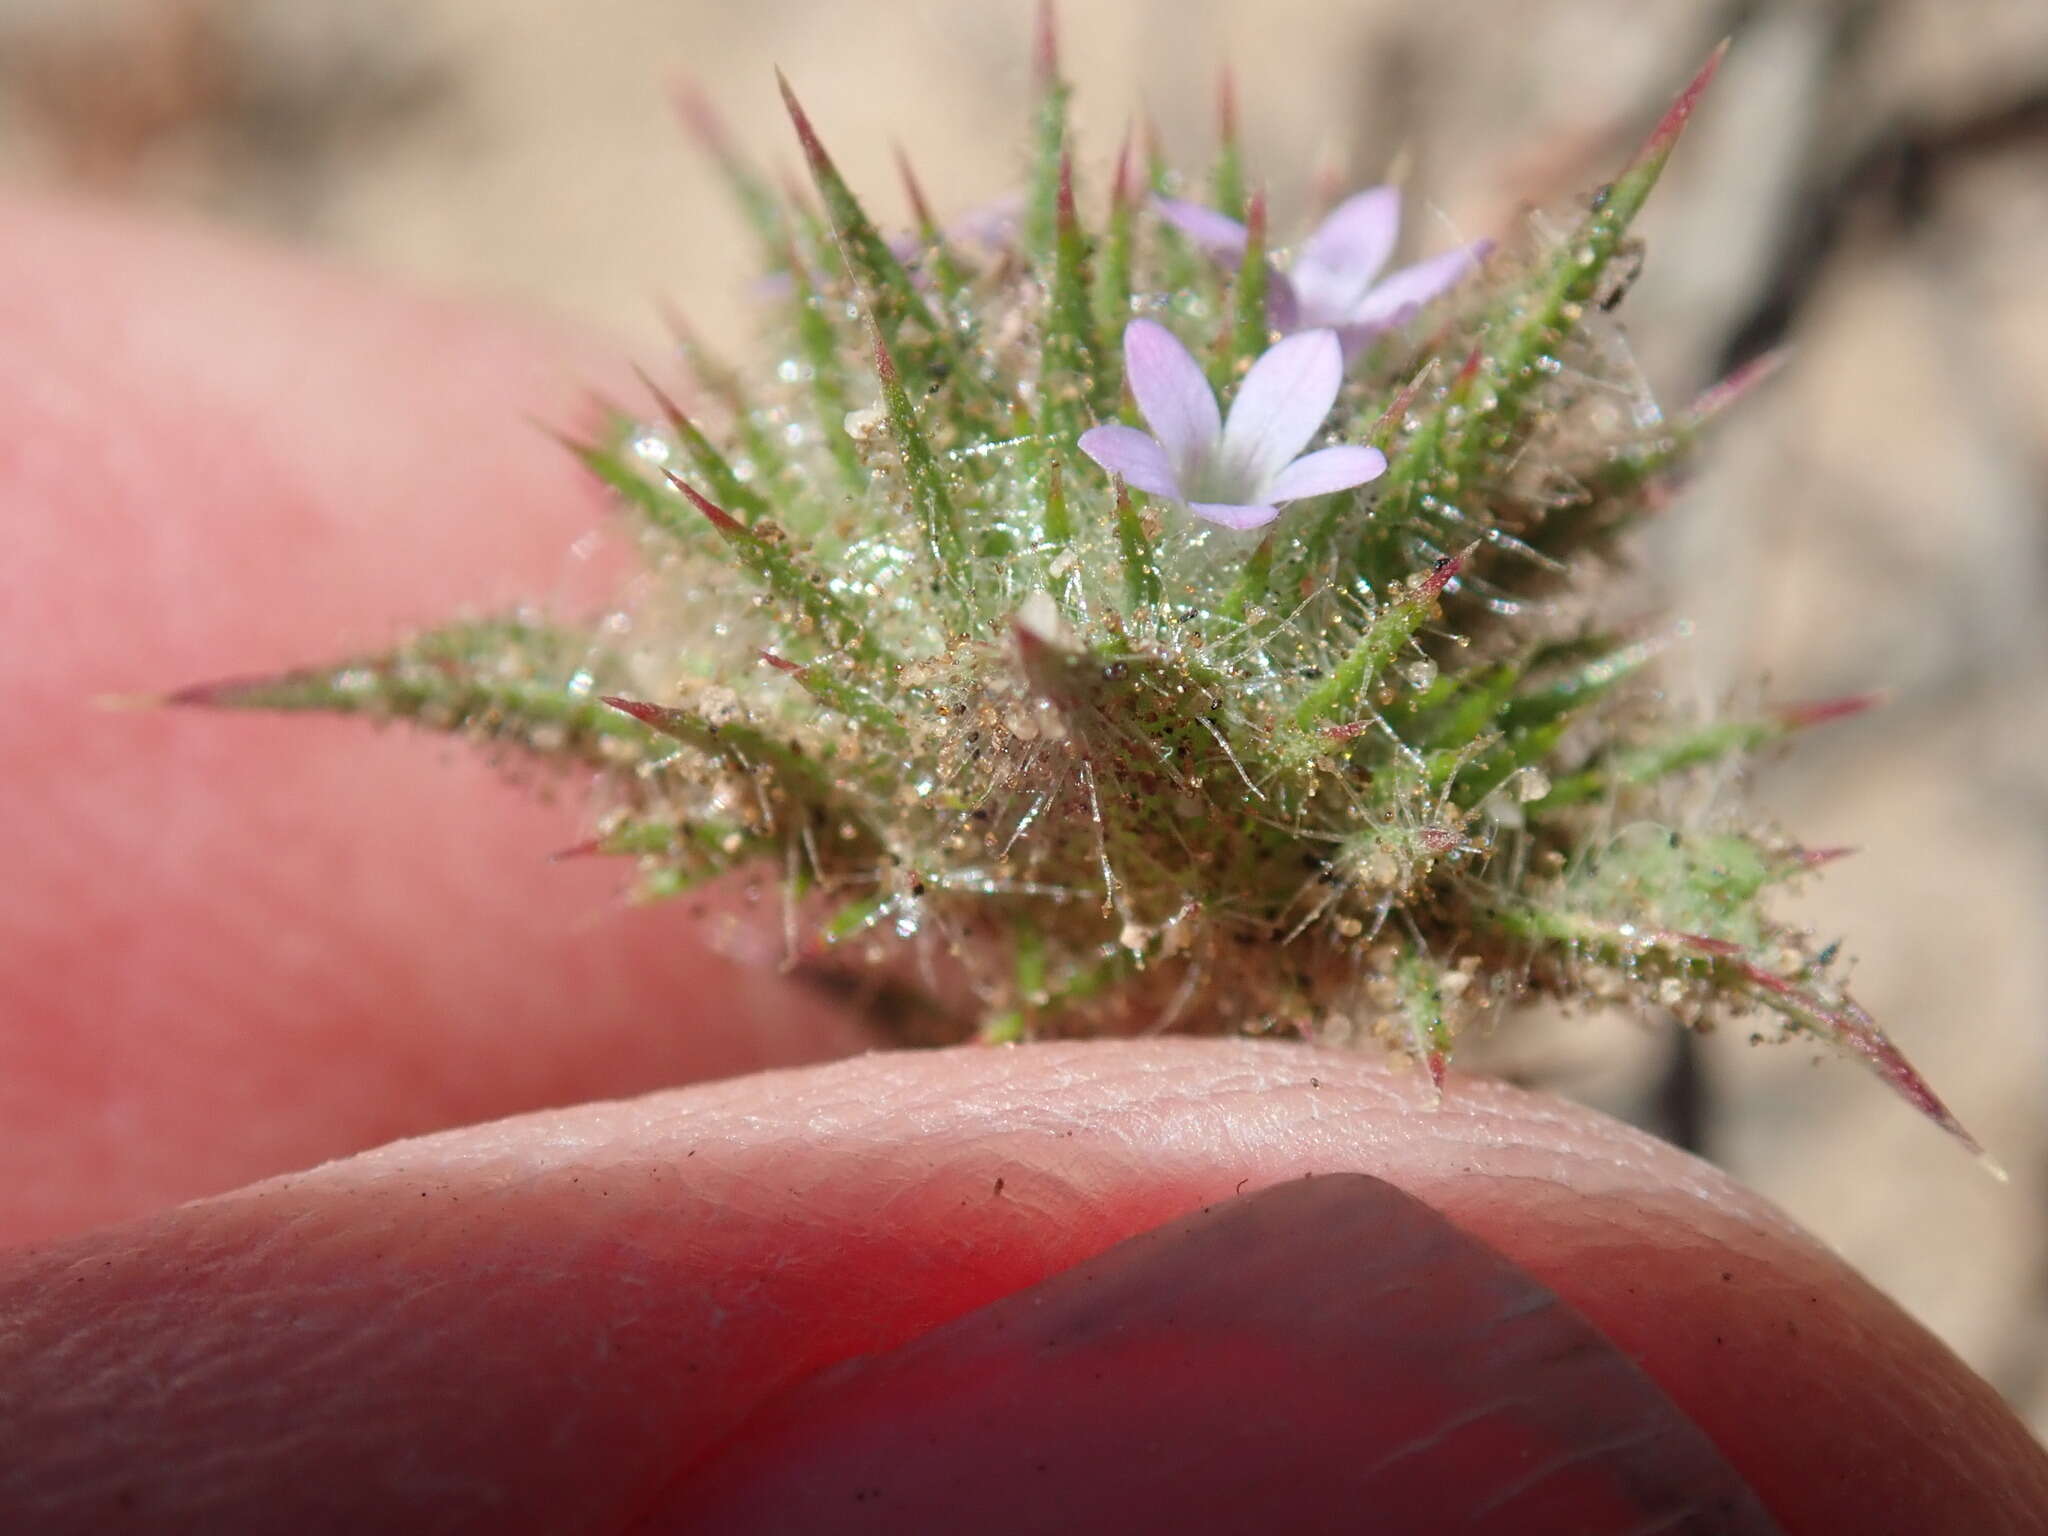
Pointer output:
x,y
1326,1354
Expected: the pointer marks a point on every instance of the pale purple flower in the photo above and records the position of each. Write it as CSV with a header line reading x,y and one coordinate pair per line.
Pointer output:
x,y
1237,472
1334,280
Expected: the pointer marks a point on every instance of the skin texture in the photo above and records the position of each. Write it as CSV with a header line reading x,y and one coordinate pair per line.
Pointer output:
x,y
225,935
230,948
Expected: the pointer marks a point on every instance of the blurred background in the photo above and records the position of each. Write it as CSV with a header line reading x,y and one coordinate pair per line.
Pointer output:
x,y
1868,183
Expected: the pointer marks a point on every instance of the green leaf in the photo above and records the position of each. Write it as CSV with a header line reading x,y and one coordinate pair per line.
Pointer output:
x,y
768,555
1113,287
1734,970
1622,767
619,471
721,382
941,263
945,538
887,291
1642,463
1420,986
1474,710
1080,985
709,463
1250,589
740,745
1249,326
1341,696
1048,147
1143,589
1486,408
508,682
1069,365
820,345
856,917
1226,178
1057,529
1567,695
755,199
843,696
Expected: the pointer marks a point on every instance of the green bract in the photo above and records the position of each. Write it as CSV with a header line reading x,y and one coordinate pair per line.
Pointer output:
x,y
1039,755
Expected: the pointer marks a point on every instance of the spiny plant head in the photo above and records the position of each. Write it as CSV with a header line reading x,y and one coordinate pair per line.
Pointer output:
x,y
1060,698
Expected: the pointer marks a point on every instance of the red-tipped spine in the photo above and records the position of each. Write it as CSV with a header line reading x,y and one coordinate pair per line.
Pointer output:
x,y
806,136
1852,1027
647,714
719,518
1389,425
1816,858
1721,397
913,192
1679,113
701,121
1441,574
1045,49
1798,717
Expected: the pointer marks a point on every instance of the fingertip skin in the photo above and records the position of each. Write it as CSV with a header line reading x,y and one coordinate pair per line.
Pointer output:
x,y
1320,1355
234,945
543,1323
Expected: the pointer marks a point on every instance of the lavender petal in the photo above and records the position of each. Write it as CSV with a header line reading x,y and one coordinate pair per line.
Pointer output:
x,y
1279,407
1336,265
1283,308
1216,233
1396,300
1130,453
1233,514
1327,470
1173,396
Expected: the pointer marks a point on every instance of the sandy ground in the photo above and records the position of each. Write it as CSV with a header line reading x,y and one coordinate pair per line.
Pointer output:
x,y
1875,522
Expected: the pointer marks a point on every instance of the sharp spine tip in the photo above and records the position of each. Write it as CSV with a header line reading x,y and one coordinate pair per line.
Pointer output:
x,y
637,708
807,136
1675,117
1815,858
1720,396
1797,717
1443,572
719,518
1045,53
700,119
913,191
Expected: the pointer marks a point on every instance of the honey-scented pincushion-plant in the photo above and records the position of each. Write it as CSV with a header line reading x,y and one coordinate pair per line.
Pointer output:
x,y
1094,628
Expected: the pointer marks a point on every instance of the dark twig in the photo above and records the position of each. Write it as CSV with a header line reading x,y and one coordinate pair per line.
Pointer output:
x,y
1895,172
